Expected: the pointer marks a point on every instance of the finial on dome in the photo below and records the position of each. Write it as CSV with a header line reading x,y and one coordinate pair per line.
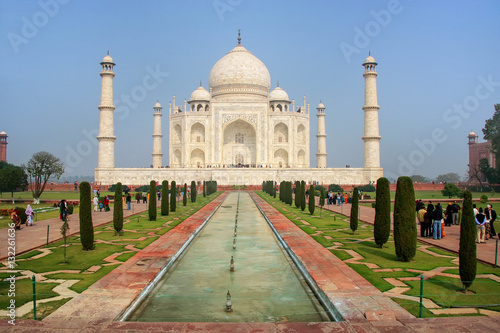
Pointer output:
x,y
369,53
278,83
239,37
108,52
200,83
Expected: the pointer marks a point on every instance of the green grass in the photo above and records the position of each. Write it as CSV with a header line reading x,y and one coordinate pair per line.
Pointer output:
x,y
44,309
24,292
86,280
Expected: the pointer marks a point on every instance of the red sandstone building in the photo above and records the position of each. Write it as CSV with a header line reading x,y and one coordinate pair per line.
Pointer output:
x,y
3,146
478,151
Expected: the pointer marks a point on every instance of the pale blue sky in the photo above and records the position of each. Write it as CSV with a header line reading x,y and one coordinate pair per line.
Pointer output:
x,y
438,72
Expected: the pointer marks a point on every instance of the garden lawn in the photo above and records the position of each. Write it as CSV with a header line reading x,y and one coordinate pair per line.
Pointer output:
x,y
441,289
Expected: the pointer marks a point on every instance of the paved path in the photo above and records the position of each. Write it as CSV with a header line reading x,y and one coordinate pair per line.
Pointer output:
x,y
30,238
451,241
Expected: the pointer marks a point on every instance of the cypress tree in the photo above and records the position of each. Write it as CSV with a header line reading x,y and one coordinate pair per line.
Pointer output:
x,y
302,195
184,195
204,191
274,191
405,226
152,201
312,199
354,210
86,226
289,191
321,199
173,196
164,197
467,250
382,223
118,210
297,196
193,191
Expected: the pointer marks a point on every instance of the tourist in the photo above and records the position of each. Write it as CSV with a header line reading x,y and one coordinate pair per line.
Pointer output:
x,y
456,213
14,216
129,201
106,204
493,217
63,210
421,219
95,201
480,222
437,216
138,197
449,215
474,209
29,215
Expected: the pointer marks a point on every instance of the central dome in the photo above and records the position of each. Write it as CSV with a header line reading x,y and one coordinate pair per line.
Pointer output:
x,y
239,72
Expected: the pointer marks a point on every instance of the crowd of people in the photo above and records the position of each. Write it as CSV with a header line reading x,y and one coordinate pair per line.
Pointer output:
x,y
433,219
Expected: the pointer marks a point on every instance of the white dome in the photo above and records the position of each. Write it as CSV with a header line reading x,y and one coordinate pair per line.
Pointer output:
x,y
472,133
107,58
239,72
3,133
278,94
200,94
320,106
157,105
370,60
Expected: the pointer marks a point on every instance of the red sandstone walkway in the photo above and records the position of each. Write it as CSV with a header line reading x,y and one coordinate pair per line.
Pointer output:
x,y
30,238
451,242
95,309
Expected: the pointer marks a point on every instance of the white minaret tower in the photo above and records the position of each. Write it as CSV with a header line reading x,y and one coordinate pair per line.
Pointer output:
x,y
321,136
106,135
371,136
157,154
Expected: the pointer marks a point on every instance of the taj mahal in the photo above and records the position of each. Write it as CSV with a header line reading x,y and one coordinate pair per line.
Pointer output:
x,y
238,132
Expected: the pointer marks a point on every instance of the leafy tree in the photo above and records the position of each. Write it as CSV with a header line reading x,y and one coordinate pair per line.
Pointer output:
x,y
164,197
335,188
112,188
354,210
367,188
193,191
419,179
382,224
40,168
321,200
152,201
405,226
12,178
118,210
451,190
467,250
448,178
302,195
173,196
312,200
184,195
86,226
491,133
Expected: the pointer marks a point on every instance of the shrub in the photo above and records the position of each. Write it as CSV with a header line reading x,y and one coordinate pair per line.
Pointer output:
x,y
22,215
152,201
118,209
353,220
173,196
467,250
312,200
335,188
184,195
451,190
318,188
302,195
204,191
297,196
382,205
367,188
193,191
112,188
484,198
71,209
86,227
405,226
143,188
164,197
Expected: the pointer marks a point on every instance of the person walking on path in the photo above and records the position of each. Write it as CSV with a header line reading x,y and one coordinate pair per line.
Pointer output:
x,y
421,219
95,202
493,217
129,201
63,210
29,215
480,222
449,215
456,213
430,209
138,197
437,216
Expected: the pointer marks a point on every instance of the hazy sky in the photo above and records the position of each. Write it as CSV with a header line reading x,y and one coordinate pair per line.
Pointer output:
x,y
438,72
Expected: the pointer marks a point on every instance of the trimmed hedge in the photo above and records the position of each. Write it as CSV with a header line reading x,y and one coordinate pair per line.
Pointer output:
x,y
164,198
86,226
353,220
152,201
118,209
405,226
382,223
467,250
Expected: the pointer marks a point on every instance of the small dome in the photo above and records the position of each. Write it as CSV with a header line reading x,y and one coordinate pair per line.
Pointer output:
x,y
3,133
370,60
200,94
157,105
108,59
320,106
278,94
472,134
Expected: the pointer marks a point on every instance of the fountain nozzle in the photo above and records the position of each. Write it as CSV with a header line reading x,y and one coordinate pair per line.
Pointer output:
x,y
229,304
231,266
234,244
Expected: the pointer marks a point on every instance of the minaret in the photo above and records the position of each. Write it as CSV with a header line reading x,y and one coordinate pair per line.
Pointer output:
x,y
371,135
106,135
157,154
3,146
321,136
